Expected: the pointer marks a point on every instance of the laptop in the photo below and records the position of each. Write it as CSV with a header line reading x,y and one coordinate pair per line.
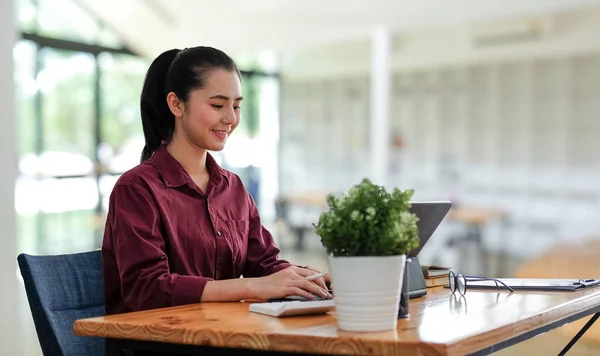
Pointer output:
x,y
430,214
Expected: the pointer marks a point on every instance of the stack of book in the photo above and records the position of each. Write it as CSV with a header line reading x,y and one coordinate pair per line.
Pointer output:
x,y
435,276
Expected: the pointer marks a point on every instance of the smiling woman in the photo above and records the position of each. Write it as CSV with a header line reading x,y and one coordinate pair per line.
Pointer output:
x,y
181,229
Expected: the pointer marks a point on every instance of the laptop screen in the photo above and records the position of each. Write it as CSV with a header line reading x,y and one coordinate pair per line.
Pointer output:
x,y
430,214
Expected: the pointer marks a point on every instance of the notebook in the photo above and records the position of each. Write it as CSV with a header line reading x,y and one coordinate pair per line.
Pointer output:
x,y
436,282
537,284
435,271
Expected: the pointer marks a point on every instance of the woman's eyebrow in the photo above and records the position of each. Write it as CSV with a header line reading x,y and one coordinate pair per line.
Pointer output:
x,y
225,97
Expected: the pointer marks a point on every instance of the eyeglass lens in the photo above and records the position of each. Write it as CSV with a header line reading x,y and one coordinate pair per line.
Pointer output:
x,y
461,284
452,281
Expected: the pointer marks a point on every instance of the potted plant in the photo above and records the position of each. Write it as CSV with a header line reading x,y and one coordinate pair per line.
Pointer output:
x,y
367,234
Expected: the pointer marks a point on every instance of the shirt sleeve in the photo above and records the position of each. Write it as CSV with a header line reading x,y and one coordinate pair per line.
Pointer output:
x,y
263,253
139,248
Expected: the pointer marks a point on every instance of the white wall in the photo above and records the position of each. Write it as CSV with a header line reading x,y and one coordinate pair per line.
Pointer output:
x,y
9,322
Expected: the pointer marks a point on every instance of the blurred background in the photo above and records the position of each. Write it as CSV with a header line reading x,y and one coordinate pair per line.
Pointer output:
x,y
490,104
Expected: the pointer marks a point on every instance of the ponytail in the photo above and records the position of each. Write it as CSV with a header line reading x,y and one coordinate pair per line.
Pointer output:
x,y
158,122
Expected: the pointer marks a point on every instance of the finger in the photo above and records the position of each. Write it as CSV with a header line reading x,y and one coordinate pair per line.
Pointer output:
x,y
327,289
313,288
321,283
299,292
304,272
310,268
327,277
296,276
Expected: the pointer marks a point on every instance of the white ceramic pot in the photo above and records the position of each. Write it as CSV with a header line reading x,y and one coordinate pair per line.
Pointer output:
x,y
366,291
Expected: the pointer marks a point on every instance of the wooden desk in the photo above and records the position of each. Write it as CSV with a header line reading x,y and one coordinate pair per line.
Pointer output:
x,y
440,324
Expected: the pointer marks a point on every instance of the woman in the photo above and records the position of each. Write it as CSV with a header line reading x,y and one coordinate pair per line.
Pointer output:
x,y
181,229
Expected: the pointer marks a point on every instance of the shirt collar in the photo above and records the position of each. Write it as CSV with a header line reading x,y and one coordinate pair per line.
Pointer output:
x,y
173,173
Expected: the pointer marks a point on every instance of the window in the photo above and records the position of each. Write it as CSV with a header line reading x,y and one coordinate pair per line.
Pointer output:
x,y
77,100
66,82
26,90
122,138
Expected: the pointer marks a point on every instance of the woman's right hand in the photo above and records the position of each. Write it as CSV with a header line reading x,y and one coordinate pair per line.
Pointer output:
x,y
287,282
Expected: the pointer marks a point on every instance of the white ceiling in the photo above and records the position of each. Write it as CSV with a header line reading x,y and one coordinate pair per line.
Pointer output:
x,y
152,26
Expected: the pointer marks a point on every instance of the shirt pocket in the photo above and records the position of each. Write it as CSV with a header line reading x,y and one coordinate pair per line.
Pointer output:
x,y
238,239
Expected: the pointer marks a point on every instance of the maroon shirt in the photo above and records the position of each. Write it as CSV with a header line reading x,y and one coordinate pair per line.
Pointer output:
x,y
165,239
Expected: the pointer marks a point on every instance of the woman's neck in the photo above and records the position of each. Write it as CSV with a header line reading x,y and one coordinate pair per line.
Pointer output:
x,y
190,156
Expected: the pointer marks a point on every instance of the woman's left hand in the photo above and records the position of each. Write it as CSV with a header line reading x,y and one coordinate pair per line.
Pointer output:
x,y
323,282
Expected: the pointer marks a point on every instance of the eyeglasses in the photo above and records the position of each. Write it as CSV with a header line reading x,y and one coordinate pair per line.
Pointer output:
x,y
458,282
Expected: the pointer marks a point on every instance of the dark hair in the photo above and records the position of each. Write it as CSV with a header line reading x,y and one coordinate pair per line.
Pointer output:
x,y
180,72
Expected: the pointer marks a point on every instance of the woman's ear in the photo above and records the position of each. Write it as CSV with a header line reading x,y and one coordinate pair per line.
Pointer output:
x,y
175,105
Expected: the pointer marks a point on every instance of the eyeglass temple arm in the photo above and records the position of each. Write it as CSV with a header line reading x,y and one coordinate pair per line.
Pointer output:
x,y
473,278
504,284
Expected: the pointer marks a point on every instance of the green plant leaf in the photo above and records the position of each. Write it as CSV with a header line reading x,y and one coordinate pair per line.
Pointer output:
x,y
368,221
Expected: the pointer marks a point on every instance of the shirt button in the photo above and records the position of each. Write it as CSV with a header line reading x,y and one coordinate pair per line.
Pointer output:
x,y
219,233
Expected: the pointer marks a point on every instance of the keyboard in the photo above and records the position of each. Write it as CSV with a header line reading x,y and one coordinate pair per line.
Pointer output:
x,y
295,307
295,297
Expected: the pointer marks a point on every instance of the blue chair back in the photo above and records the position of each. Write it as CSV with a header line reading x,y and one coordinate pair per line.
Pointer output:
x,y
60,290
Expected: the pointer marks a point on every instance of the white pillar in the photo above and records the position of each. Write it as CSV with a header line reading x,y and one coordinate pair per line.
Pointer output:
x,y
380,105
9,321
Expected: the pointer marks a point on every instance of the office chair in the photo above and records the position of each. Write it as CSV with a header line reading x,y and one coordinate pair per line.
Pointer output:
x,y
60,290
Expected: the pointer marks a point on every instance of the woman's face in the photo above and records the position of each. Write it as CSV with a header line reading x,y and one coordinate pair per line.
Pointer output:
x,y
212,113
